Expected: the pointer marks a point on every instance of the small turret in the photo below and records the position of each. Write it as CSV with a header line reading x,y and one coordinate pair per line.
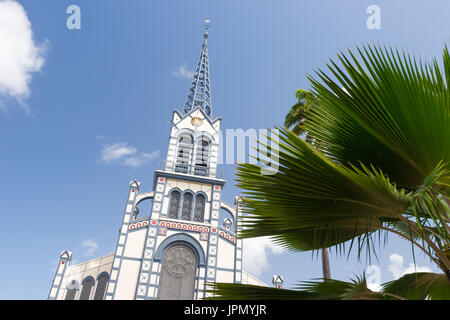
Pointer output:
x,y
277,281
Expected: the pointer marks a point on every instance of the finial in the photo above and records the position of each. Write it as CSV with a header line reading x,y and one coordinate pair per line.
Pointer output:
x,y
207,21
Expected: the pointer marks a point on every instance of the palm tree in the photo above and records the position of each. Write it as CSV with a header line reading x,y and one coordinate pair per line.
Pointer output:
x,y
297,120
383,166
297,117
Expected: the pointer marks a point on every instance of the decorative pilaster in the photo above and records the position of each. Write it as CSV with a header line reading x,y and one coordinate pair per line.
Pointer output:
x,y
211,268
123,234
149,270
64,259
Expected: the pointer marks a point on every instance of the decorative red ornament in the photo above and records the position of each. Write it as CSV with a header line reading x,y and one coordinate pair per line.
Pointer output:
x,y
62,262
132,190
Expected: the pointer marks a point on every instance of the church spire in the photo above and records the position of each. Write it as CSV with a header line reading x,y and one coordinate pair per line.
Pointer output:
x,y
200,92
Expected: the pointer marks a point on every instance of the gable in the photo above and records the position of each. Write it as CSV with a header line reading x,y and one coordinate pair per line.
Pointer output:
x,y
196,121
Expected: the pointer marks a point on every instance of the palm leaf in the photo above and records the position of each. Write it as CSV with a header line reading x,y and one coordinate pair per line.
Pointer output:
x,y
313,195
234,291
389,111
420,286
321,289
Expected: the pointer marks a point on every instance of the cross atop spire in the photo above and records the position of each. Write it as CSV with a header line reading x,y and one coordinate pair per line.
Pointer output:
x,y
199,94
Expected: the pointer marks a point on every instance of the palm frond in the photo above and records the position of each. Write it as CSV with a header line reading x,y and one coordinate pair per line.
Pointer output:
x,y
420,286
311,195
389,111
320,289
234,291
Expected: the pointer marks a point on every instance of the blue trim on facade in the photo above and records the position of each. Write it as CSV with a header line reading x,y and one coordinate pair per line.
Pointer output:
x,y
186,177
181,238
87,278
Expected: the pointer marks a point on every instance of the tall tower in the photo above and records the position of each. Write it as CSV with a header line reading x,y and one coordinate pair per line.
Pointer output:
x,y
199,94
180,246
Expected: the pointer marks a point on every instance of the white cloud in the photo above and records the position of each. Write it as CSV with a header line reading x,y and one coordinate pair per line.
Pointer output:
x,y
140,159
20,56
116,151
373,277
126,155
255,253
398,270
182,72
91,247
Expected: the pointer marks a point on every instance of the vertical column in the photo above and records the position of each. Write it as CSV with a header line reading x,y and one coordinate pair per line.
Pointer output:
x,y
239,242
171,153
149,270
121,242
211,266
64,259
213,160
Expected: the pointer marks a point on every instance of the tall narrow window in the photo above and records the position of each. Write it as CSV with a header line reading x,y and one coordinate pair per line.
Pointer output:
x,y
186,210
88,283
201,157
183,154
102,281
174,204
199,207
72,288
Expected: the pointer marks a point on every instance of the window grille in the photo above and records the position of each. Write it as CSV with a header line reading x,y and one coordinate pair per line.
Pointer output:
x,y
174,204
186,210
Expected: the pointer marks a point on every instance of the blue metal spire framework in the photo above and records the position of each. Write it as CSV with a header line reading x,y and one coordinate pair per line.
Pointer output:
x,y
200,92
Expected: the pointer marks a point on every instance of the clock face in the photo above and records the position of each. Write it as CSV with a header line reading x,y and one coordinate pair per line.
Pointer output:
x,y
196,121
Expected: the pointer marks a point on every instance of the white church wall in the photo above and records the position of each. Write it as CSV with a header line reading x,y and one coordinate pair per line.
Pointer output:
x,y
207,215
80,271
247,278
165,205
206,188
225,256
224,276
126,283
195,187
135,243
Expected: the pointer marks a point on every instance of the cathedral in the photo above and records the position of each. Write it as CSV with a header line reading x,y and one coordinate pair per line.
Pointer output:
x,y
189,238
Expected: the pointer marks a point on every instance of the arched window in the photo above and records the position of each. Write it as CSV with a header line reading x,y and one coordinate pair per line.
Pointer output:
x,y
186,209
102,281
183,157
174,205
72,288
88,283
199,209
202,157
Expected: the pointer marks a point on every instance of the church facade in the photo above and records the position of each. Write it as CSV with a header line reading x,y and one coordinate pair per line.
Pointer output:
x,y
186,241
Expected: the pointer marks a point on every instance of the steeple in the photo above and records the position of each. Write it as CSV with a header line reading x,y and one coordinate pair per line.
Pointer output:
x,y
200,92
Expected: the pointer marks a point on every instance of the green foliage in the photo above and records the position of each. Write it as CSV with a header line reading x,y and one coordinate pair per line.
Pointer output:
x,y
298,116
383,123
420,286
414,286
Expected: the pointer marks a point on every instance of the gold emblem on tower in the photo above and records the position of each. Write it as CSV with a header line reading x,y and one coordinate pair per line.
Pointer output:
x,y
196,121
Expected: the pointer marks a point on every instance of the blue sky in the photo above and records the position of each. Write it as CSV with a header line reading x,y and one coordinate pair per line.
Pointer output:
x,y
116,82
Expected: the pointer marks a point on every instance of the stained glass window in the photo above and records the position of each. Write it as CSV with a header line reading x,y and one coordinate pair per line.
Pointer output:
x,y
174,204
70,295
102,281
72,288
199,207
88,283
187,206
